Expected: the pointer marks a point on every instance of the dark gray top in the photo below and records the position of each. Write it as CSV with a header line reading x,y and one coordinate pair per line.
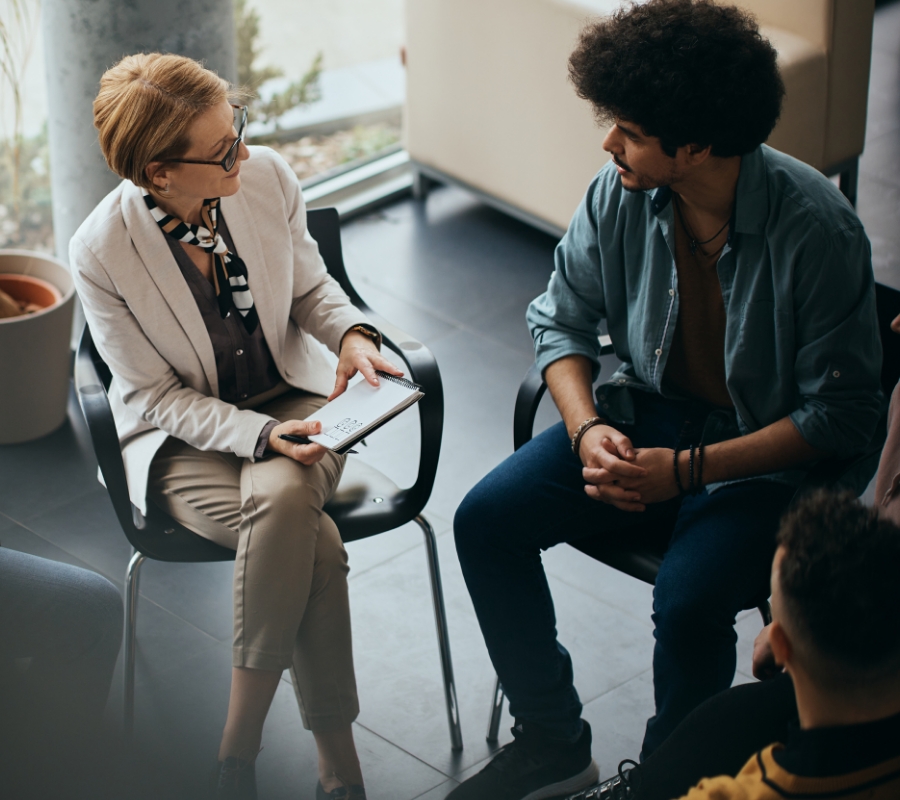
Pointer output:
x,y
244,364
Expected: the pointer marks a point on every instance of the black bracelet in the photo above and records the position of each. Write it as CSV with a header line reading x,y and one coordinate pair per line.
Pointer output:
x,y
678,474
700,467
691,472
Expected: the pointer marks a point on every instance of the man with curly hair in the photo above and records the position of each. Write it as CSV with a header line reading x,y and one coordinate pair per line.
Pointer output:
x,y
737,287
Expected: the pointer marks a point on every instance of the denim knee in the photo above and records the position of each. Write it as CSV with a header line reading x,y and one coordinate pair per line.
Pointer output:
x,y
688,617
472,522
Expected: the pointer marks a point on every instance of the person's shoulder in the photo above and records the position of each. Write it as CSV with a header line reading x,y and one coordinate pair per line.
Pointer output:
x,y
105,225
800,194
748,784
264,162
264,173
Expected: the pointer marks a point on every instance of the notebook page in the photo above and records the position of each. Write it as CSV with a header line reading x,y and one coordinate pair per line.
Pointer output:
x,y
357,408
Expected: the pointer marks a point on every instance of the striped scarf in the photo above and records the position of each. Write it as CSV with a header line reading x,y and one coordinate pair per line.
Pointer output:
x,y
229,271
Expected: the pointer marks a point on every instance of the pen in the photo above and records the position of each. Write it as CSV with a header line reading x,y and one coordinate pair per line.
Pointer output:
x,y
290,437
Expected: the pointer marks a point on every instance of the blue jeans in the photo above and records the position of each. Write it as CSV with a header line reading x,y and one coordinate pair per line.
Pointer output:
x,y
717,563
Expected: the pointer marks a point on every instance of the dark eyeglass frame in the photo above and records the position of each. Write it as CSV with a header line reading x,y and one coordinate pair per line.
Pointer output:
x,y
230,159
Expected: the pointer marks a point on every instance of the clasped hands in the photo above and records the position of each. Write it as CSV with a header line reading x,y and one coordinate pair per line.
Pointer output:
x,y
617,473
358,354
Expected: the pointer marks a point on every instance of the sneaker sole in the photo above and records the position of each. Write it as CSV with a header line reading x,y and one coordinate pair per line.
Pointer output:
x,y
587,777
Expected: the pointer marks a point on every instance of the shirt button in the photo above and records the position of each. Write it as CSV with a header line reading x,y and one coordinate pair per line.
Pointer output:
x,y
836,374
621,380
659,352
228,315
606,405
671,293
243,397
239,352
603,397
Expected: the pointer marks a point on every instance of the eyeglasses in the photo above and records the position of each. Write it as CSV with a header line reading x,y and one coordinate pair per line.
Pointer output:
x,y
227,163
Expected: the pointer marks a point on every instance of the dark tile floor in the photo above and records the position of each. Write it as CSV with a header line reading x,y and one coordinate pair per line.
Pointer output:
x,y
457,275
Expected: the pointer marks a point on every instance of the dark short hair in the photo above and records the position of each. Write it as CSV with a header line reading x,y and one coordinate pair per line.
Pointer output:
x,y
686,71
840,579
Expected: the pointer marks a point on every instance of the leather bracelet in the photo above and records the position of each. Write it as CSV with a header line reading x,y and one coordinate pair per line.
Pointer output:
x,y
699,467
582,429
678,482
691,471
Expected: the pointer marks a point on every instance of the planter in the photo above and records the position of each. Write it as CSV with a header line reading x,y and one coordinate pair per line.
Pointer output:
x,y
34,348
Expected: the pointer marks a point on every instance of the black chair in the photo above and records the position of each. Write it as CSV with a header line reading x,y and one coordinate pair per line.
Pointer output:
x,y
366,502
642,561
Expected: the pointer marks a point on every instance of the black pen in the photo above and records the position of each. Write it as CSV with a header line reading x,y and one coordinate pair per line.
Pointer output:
x,y
290,437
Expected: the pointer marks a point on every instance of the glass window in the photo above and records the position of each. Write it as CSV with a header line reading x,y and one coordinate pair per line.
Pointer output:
x,y
26,217
328,79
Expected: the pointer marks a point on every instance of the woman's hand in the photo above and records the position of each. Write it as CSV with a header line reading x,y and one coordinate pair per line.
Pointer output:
x,y
359,354
308,454
648,477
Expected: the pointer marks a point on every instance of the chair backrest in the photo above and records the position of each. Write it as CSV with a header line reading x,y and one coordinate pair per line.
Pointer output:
x,y
156,535
325,227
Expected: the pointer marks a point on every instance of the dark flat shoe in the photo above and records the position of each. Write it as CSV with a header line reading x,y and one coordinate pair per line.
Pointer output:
x,y
233,779
355,792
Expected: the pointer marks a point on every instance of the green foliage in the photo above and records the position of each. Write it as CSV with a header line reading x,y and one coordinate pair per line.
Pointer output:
x,y
26,214
367,140
298,93
250,78
246,25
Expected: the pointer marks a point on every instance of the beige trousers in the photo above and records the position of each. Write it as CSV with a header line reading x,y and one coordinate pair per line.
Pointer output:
x,y
291,607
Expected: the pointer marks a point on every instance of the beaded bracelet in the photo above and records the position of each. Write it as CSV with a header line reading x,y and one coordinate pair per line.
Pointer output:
x,y
700,467
582,429
691,471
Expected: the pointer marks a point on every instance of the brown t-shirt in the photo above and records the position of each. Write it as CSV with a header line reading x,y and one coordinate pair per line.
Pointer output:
x,y
696,363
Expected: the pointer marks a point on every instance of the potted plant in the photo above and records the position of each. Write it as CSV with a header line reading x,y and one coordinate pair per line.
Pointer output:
x,y
37,295
34,344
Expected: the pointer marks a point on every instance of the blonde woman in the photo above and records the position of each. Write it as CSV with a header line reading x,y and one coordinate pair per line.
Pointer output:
x,y
204,293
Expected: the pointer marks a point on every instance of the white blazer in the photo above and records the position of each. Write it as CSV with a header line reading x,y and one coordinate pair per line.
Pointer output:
x,y
148,329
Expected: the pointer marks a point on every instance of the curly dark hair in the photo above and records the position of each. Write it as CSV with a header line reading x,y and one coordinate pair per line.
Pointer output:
x,y
686,71
840,578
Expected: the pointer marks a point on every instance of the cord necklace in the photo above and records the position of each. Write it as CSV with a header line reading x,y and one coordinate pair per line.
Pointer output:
x,y
695,244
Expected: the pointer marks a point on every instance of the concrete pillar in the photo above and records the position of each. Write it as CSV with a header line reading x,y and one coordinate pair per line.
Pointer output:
x,y
82,39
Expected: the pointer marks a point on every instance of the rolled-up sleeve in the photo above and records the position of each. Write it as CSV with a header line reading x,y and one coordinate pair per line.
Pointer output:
x,y
838,362
563,321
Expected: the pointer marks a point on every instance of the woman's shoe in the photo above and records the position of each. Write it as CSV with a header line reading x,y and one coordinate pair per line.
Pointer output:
x,y
233,779
355,792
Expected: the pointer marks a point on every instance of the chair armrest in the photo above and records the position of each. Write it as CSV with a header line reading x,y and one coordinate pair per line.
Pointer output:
x,y
531,392
423,370
98,415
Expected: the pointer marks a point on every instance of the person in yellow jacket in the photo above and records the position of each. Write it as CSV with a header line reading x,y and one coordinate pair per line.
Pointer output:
x,y
836,635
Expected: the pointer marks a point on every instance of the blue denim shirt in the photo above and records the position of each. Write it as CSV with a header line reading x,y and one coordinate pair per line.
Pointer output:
x,y
801,335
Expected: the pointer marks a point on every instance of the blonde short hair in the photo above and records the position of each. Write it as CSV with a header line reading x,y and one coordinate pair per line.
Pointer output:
x,y
145,107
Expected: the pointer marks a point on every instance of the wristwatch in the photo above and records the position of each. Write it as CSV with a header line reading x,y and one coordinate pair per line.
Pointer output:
x,y
370,332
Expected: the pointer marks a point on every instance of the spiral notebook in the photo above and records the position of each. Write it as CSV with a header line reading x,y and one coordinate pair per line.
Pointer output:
x,y
363,408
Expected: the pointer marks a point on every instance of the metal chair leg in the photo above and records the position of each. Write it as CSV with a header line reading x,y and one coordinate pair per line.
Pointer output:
x,y
440,621
496,712
132,579
421,184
